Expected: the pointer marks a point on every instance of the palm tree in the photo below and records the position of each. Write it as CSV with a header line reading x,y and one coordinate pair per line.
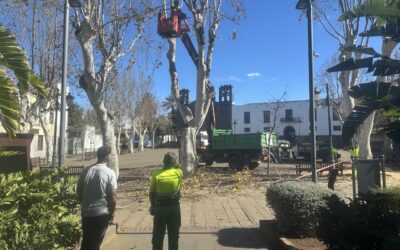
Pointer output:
x,y
373,96
13,58
378,94
169,103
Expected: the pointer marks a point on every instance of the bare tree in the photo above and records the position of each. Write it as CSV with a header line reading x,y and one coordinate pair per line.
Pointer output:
x,y
106,32
207,16
145,114
332,80
117,98
154,120
278,104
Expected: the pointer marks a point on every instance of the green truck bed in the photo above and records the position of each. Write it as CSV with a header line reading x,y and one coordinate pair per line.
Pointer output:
x,y
224,139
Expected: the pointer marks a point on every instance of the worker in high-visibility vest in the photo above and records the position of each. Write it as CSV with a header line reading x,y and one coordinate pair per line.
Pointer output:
x,y
335,153
164,197
354,152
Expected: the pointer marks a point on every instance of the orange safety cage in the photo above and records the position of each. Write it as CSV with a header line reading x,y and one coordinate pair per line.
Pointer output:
x,y
172,26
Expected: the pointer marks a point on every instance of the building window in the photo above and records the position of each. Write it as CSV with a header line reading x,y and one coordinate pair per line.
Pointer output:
x,y
246,117
289,114
40,143
337,128
267,129
267,116
335,114
247,130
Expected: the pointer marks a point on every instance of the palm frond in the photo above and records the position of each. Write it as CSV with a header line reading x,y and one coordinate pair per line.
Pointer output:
x,y
371,90
9,105
386,9
373,96
393,130
14,58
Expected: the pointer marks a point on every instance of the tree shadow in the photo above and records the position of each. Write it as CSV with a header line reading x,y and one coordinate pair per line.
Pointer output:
x,y
251,238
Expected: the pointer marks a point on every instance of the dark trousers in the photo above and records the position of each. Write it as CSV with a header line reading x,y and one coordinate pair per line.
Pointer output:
x,y
94,228
166,217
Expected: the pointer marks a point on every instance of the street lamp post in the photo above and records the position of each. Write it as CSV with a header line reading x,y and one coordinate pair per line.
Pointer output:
x,y
74,4
54,158
328,101
307,5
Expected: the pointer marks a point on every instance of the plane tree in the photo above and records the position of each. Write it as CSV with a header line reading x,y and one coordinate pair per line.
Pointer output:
x,y
106,32
206,16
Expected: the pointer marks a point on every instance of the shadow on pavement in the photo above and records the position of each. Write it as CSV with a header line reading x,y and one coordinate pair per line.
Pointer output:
x,y
251,238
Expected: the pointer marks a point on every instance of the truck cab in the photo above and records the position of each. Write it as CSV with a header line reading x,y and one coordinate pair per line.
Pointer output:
x,y
201,140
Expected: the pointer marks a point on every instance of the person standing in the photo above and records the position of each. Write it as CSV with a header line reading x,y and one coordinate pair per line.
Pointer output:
x,y
164,197
354,152
96,191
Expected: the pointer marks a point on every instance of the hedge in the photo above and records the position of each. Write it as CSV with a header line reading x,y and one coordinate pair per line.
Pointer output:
x,y
371,221
295,205
38,211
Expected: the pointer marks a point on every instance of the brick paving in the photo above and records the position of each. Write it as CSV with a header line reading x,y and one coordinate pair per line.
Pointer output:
x,y
212,222
242,210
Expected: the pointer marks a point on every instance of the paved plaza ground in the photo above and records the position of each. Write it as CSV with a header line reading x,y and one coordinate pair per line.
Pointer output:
x,y
221,209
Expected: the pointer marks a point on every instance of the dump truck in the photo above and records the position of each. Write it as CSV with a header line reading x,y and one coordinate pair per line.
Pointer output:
x,y
322,151
239,150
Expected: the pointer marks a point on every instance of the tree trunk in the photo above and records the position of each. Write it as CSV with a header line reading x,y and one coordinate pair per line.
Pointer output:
x,y
118,140
364,138
366,129
130,143
187,153
107,131
387,147
152,139
49,145
141,139
134,137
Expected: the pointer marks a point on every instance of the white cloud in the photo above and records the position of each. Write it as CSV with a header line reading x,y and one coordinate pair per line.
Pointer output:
x,y
254,74
271,79
231,78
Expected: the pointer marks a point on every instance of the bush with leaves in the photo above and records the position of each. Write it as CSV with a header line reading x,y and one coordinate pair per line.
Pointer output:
x,y
38,211
295,205
372,221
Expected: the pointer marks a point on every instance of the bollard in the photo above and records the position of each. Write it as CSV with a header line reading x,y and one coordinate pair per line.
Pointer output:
x,y
382,158
354,165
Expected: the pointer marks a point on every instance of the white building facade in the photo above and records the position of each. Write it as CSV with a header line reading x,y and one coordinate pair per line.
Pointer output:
x,y
292,118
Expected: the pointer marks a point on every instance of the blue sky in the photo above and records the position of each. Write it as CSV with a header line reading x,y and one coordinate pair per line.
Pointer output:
x,y
268,56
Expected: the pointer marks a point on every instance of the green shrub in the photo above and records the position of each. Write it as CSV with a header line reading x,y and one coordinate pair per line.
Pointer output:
x,y
371,221
295,204
38,211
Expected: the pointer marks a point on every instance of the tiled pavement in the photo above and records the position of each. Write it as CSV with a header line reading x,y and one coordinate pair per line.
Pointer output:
x,y
212,222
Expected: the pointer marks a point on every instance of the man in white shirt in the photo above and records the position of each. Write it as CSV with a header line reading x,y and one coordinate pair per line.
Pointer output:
x,y
97,194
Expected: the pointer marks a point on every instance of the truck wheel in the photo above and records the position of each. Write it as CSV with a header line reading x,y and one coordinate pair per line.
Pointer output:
x,y
209,162
253,165
236,163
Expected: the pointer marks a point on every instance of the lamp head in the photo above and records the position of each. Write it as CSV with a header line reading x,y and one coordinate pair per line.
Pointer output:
x,y
70,99
302,5
75,3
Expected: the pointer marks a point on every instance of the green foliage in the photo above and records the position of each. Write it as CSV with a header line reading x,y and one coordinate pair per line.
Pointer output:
x,y
13,58
76,116
296,204
385,18
38,211
369,222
